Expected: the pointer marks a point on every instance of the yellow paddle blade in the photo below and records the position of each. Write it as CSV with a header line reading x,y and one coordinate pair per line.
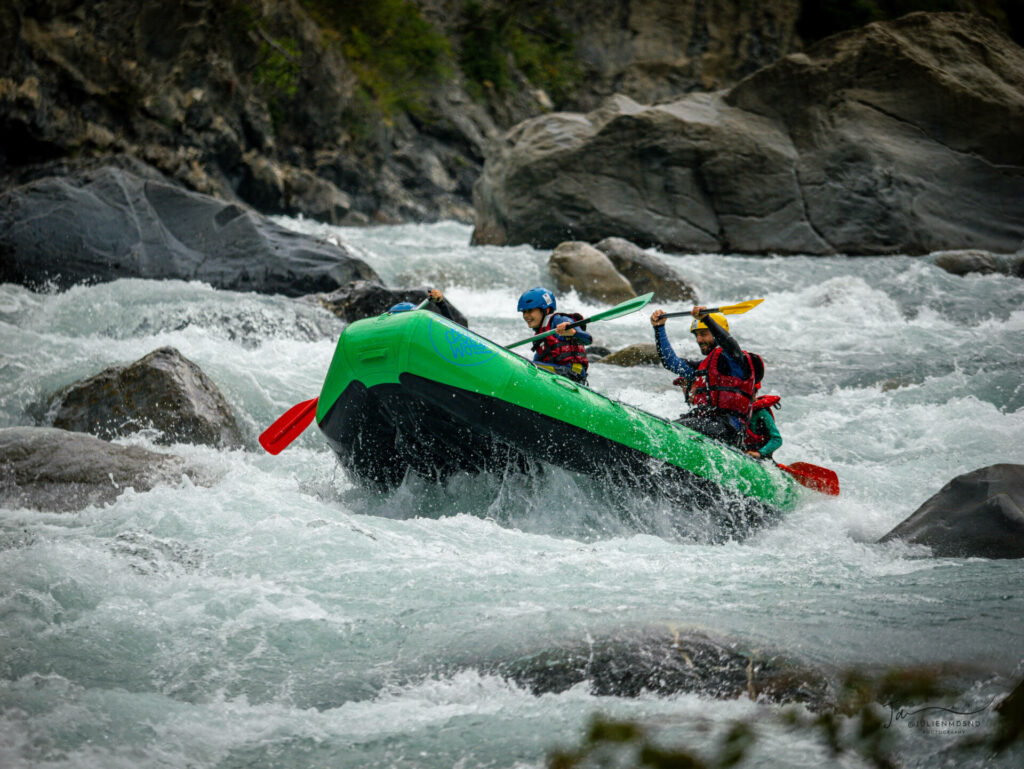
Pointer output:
x,y
729,309
739,309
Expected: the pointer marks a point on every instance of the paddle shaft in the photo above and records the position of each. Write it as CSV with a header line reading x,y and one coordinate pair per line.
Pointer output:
x,y
535,337
707,311
625,308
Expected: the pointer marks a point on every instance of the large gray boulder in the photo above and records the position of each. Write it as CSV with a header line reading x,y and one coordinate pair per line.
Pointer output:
x,y
164,391
580,267
114,223
978,514
49,469
906,136
646,272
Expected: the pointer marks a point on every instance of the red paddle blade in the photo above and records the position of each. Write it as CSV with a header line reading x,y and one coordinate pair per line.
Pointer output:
x,y
813,477
288,427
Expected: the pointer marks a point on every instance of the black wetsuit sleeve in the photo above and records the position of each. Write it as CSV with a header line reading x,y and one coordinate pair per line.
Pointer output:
x,y
728,344
445,310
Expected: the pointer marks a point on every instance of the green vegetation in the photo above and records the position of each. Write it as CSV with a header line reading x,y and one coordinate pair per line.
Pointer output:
x,y
624,744
276,64
277,75
494,37
863,725
820,18
396,54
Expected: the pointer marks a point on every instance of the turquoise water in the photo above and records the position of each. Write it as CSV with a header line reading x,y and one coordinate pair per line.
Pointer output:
x,y
283,616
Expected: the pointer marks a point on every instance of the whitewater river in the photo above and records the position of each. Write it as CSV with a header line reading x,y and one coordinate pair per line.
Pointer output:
x,y
283,616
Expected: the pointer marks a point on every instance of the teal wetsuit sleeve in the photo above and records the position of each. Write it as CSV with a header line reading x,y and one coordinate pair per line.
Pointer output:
x,y
774,436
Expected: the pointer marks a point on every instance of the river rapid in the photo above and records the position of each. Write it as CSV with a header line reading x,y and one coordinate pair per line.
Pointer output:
x,y
284,616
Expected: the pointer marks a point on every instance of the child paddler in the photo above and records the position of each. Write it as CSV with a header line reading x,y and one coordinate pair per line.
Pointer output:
x,y
763,438
562,352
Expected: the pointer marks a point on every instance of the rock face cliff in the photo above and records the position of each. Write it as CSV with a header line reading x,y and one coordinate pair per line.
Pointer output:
x,y
651,50
268,102
904,136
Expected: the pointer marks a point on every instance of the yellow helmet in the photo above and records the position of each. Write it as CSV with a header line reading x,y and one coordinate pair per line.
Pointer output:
x,y
698,323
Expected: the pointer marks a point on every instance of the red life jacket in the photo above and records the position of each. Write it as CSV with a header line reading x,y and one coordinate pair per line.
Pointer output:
x,y
560,351
754,441
721,391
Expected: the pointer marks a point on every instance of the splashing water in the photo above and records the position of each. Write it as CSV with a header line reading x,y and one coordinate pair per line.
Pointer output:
x,y
285,616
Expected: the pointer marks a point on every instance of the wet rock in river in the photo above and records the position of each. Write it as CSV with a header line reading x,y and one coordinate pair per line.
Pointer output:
x,y
580,267
667,660
978,514
971,261
163,391
646,272
967,261
45,468
638,354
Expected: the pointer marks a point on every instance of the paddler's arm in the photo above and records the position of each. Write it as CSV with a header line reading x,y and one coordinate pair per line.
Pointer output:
x,y
666,354
577,334
729,345
764,417
443,308
774,436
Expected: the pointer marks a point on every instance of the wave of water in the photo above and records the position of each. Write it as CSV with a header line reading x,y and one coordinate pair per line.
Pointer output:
x,y
284,616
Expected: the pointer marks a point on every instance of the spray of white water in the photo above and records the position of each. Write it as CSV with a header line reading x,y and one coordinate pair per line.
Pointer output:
x,y
284,616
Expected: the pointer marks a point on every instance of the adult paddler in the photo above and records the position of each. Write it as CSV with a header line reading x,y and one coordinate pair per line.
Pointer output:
x,y
723,383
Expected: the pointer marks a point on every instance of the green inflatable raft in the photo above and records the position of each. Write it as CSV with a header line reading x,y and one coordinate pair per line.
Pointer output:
x,y
415,391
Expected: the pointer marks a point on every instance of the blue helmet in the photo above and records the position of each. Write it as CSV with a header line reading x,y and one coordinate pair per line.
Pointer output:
x,y
403,307
537,297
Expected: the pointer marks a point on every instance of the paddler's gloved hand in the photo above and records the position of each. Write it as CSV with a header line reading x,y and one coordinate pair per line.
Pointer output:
x,y
435,296
564,330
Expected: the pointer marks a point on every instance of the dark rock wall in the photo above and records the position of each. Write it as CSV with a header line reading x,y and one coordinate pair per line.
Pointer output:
x,y
257,102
